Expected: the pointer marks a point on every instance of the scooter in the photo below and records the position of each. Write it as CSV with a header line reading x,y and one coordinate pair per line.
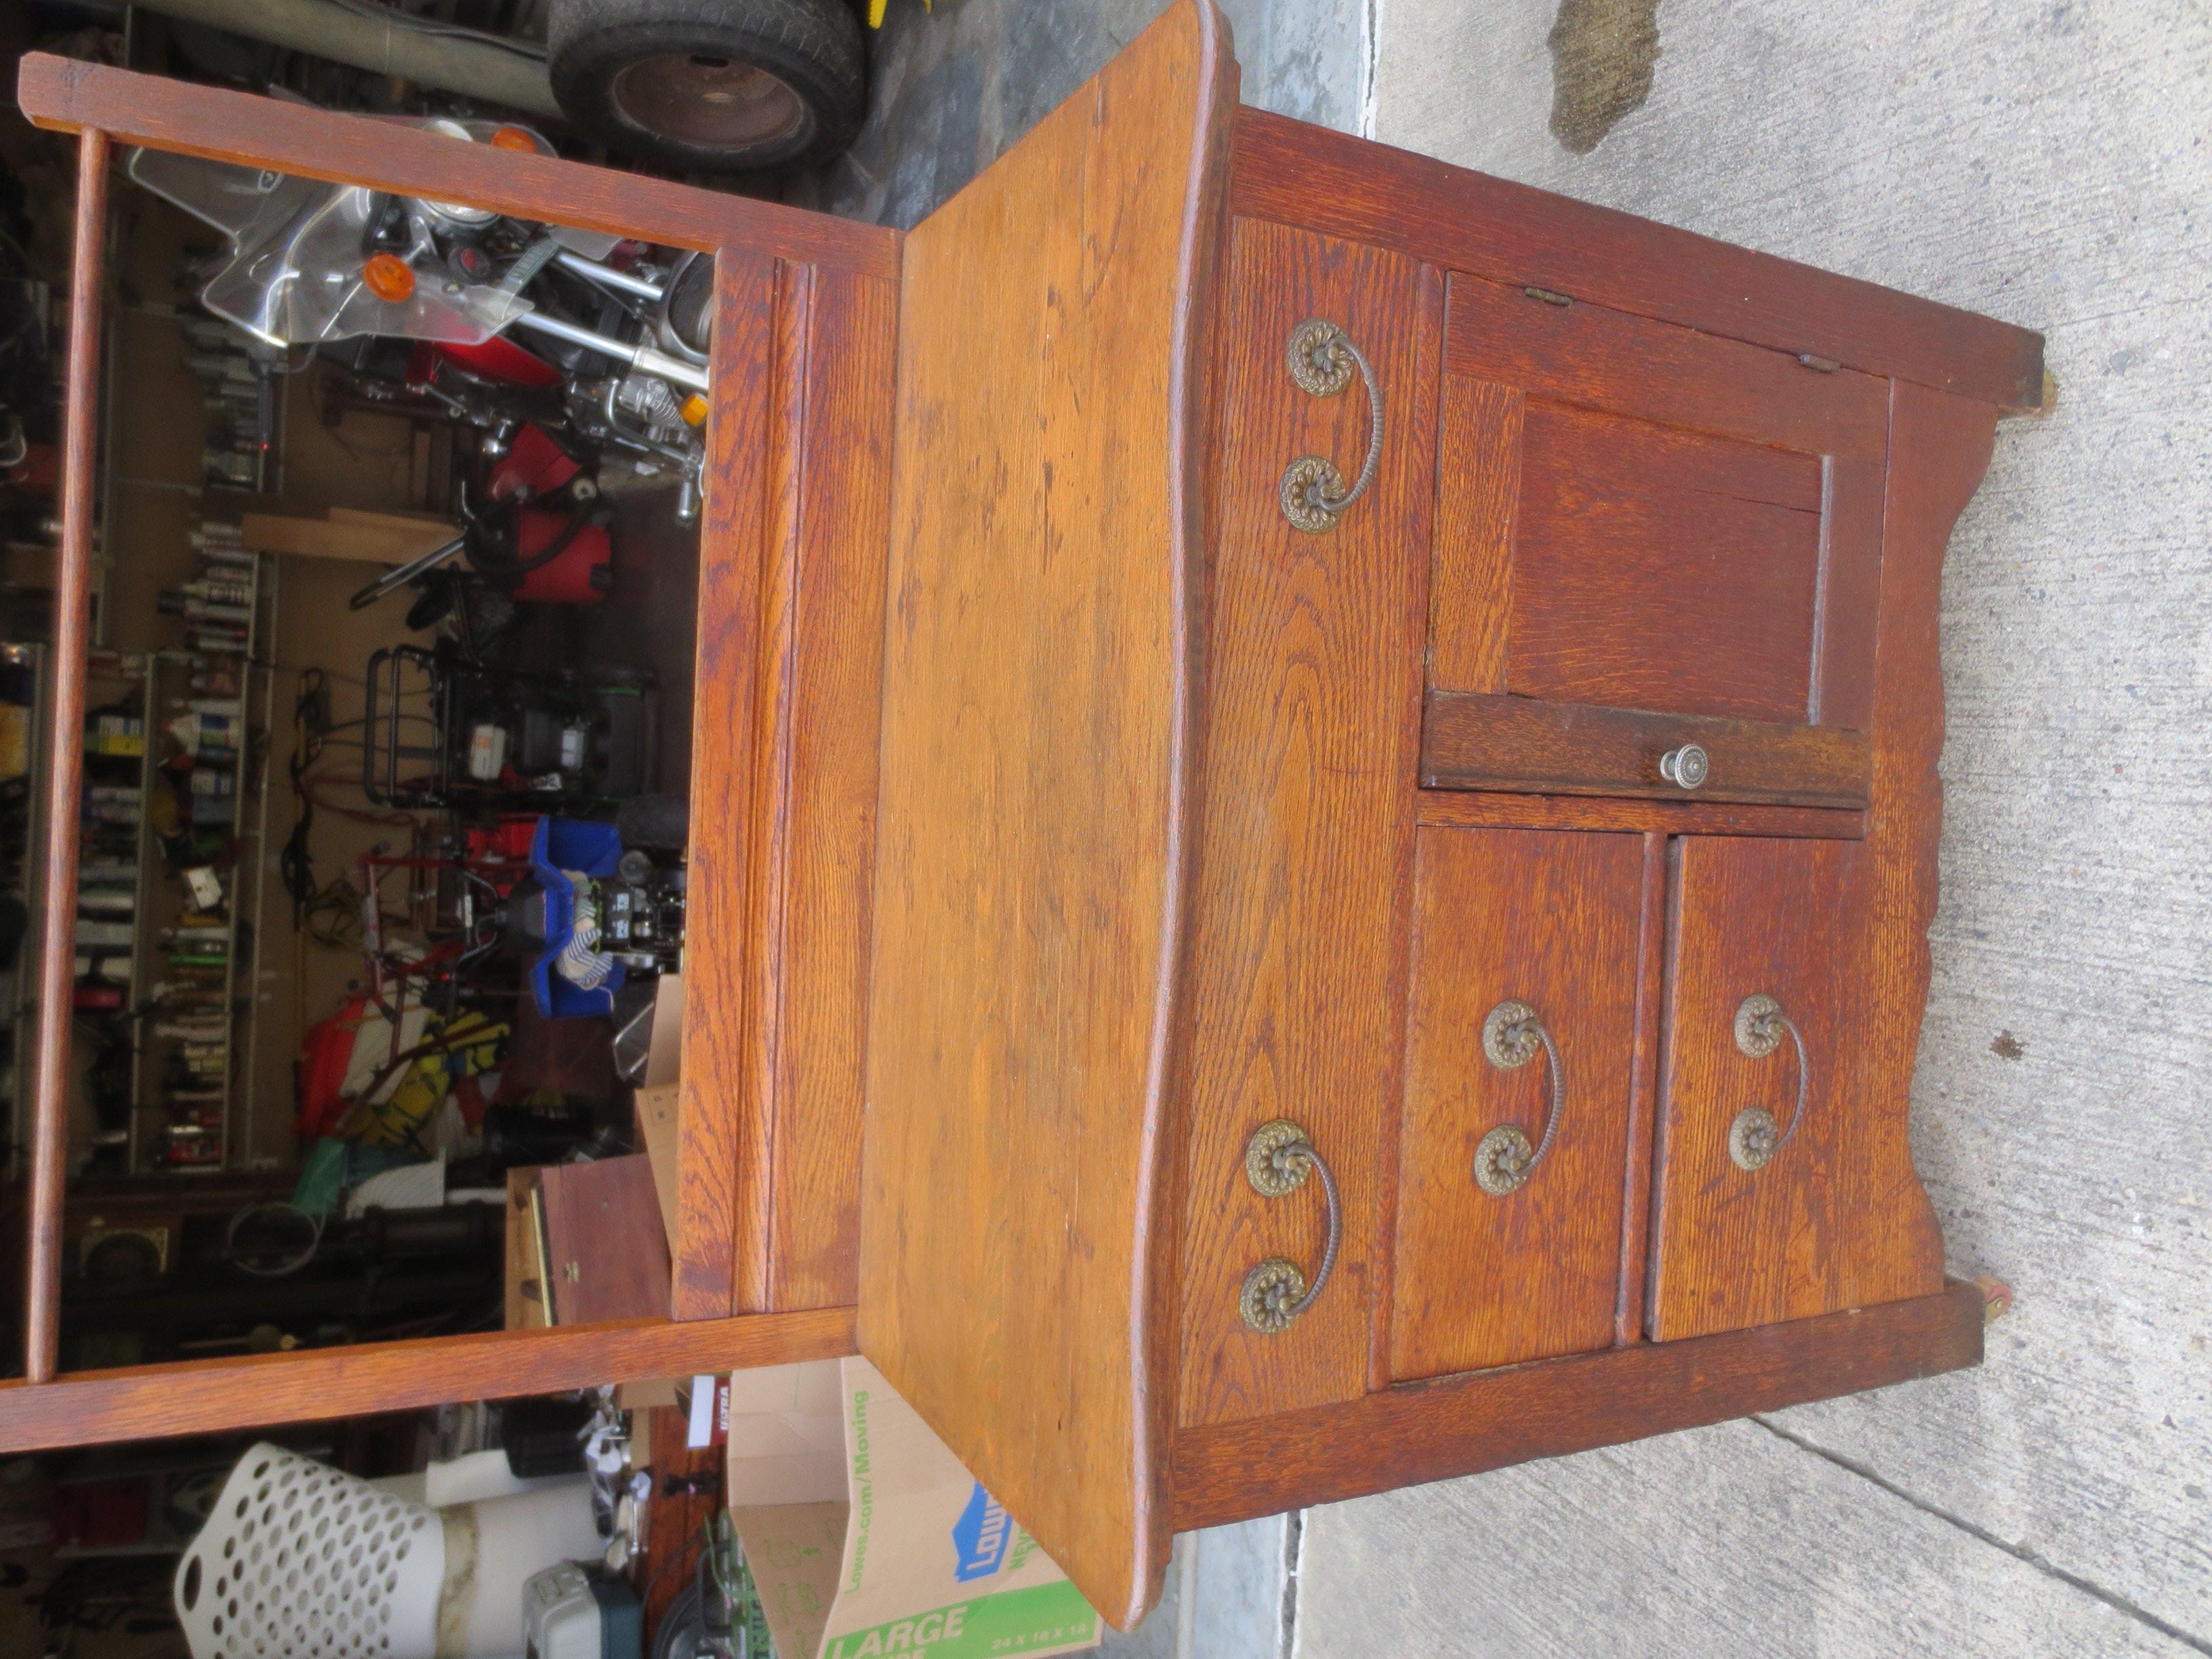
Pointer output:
x,y
422,301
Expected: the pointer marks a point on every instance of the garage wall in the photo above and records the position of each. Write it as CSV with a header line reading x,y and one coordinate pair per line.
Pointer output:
x,y
362,460
2049,164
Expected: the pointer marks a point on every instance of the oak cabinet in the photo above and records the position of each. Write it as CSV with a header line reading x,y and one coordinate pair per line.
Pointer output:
x,y
1209,930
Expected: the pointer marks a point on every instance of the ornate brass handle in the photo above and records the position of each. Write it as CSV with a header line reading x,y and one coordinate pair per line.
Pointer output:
x,y
1755,1137
1277,1160
1322,359
1511,1034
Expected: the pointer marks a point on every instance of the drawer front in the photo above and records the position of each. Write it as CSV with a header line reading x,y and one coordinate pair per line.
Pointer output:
x,y
1784,1186
1498,1259
1295,969
1636,517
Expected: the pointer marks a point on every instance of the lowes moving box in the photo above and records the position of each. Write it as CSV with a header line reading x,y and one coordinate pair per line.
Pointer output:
x,y
866,1538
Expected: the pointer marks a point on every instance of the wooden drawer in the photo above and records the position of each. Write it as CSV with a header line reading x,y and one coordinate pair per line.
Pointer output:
x,y
1296,973
1491,1268
1832,1216
1645,538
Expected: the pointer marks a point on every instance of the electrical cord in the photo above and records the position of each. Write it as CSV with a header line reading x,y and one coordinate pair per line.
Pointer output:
x,y
332,915
493,559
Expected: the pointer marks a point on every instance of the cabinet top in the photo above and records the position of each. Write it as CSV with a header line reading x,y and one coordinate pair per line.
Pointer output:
x,y
1035,759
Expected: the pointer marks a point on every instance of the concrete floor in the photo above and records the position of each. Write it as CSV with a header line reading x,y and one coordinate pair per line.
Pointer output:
x,y
2049,163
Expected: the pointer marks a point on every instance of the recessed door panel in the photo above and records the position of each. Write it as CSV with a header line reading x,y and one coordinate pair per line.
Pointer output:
x,y
1662,570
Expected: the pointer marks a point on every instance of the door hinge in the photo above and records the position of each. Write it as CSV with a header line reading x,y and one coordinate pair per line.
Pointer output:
x,y
1548,297
1819,365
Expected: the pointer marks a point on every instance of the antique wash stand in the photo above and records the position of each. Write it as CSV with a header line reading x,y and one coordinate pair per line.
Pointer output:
x,y
1316,812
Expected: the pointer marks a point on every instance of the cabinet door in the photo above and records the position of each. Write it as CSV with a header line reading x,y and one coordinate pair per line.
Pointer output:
x,y
1648,537
1785,1185
1524,1024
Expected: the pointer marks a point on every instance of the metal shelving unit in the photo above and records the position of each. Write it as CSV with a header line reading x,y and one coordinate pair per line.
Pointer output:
x,y
228,1126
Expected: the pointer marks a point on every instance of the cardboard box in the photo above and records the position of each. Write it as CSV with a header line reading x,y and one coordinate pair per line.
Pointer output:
x,y
865,1537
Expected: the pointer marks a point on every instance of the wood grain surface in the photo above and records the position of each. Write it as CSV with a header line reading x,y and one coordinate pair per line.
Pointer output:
x,y
808,810
1479,427
385,538
211,1396
1839,1218
52,1010
1659,568
1035,779
1552,919
1463,809
1739,1247
605,1253
1594,357
1473,741
1516,235
1667,520
1458,1425
719,1070
1297,981
152,110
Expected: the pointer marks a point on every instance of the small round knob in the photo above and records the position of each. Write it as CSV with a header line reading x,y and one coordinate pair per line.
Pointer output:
x,y
1684,768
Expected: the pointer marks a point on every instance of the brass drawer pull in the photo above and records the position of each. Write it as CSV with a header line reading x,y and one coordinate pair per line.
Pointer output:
x,y
1322,359
1511,1034
1755,1137
1277,1160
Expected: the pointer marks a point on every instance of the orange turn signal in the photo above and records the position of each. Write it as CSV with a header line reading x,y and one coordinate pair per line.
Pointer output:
x,y
515,138
388,276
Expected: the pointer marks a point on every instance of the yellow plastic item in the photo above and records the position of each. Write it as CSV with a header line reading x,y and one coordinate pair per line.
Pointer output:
x,y
694,406
469,1047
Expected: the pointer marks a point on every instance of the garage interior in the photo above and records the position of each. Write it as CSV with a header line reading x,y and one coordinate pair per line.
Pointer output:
x,y
388,637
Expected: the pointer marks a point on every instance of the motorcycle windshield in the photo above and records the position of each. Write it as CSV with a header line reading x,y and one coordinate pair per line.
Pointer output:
x,y
298,247
214,192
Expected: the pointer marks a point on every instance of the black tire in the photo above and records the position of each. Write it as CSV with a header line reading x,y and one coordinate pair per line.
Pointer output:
x,y
654,824
712,84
